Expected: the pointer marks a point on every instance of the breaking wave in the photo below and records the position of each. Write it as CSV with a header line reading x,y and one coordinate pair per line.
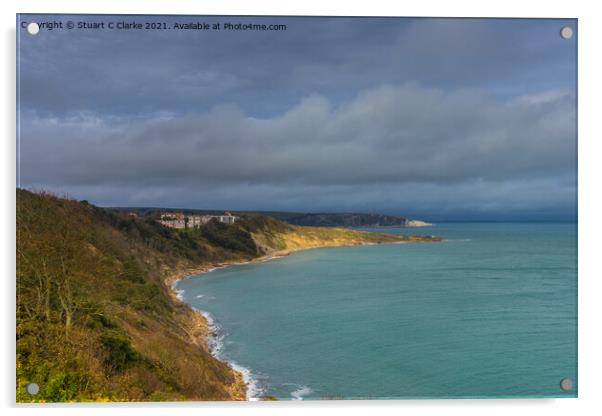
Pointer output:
x,y
215,342
301,392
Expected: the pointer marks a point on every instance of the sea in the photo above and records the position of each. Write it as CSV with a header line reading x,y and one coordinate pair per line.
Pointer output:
x,y
490,312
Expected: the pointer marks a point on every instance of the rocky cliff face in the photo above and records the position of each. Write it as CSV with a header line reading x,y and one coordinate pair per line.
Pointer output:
x,y
418,223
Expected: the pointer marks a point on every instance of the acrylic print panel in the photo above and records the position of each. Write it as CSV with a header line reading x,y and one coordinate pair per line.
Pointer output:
x,y
174,171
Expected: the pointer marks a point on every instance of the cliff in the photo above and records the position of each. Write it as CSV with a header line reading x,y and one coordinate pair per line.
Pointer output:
x,y
275,237
418,223
95,321
96,318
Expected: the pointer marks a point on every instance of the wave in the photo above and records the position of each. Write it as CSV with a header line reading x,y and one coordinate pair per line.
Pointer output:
x,y
215,338
300,392
254,391
215,342
179,292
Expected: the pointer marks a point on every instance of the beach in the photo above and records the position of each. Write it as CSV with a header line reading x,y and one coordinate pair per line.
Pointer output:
x,y
402,321
204,322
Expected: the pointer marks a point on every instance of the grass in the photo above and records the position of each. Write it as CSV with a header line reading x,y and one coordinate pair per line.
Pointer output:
x,y
95,319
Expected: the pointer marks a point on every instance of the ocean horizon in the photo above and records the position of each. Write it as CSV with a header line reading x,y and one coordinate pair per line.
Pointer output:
x,y
489,312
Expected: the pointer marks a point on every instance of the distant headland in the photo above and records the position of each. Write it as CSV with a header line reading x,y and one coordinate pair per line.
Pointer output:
x,y
326,219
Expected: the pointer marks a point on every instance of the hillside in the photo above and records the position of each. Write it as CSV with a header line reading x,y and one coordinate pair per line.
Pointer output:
x,y
279,238
96,319
296,218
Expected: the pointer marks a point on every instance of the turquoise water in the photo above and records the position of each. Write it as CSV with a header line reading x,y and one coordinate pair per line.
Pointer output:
x,y
490,312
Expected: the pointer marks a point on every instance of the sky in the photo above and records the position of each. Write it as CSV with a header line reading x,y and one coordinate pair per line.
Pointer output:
x,y
437,119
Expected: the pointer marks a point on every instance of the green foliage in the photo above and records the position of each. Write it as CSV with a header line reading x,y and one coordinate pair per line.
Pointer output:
x,y
148,231
149,298
38,346
119,352
99,321
132,271
256,222
230,237
61,386
94,319
269,398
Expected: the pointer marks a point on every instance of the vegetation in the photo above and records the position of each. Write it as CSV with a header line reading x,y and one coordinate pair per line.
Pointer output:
x,y
269,398
95,317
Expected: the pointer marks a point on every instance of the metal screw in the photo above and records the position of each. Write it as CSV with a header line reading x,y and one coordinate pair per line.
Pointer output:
x,y
566,32
33,28
32,388
566,384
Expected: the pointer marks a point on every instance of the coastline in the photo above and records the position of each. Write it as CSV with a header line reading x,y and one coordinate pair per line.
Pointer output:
x,y
203,321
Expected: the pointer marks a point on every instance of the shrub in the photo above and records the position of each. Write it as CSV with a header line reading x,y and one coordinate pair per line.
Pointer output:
x,y
231,237
119,352
132,271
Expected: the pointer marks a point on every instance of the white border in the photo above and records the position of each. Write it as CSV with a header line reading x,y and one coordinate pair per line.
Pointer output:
x,y
590,209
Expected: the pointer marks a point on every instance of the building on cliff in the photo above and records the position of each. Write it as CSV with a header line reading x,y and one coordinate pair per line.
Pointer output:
x,y
181,221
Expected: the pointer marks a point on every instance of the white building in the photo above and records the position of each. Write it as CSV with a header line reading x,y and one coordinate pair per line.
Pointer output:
x,y
181,221
173,220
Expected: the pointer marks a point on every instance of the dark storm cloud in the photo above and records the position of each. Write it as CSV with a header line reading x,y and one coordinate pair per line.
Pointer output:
x,y
443,117
387,135
143,71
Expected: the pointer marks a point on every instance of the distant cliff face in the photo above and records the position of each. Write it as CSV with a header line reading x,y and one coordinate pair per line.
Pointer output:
x,y
418,223
354,220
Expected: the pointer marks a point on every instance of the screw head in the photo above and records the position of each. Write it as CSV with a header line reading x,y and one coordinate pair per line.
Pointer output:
x,y
32,388
566,32
566,384
33,28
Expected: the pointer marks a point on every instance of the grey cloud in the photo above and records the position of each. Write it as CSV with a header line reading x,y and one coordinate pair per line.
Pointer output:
x,y
463,151
437,116
390,134
122,73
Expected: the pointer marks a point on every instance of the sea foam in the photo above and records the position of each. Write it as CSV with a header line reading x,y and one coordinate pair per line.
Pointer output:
x,y
215,342
179,292
300,392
